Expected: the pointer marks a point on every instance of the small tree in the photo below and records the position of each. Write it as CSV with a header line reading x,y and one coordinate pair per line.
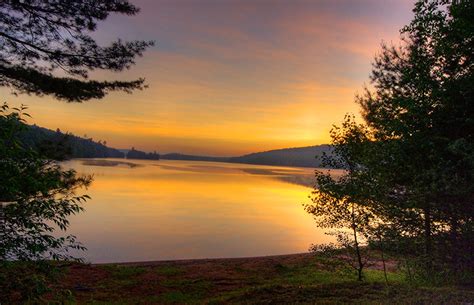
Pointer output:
x,y
337,202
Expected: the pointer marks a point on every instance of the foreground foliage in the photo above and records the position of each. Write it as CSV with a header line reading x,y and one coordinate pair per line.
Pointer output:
x,y
37,40
409,185
291,279
37,196
40,37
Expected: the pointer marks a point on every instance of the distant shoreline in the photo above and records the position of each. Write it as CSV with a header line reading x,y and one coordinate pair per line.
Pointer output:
x,y
79,147
310,156
300,177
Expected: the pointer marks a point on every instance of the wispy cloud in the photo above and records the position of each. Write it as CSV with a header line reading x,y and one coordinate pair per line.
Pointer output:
x,y
230,77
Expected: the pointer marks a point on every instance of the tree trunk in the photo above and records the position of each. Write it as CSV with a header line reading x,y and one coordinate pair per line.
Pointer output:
x,y
455,261
359,258
428,239
356,244
383,261
2,231
409,271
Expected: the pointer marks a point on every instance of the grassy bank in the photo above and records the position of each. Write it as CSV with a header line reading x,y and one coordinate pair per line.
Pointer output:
x,y
289,279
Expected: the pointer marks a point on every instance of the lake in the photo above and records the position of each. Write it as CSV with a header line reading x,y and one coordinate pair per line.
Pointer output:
x,y
144,210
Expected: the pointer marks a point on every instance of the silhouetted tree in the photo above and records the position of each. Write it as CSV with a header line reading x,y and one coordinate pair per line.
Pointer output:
x,y
40,37
137,154
38,195
415,164
339,202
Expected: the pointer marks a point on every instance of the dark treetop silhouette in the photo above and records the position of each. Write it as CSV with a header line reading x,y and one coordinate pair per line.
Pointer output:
x,y
40,37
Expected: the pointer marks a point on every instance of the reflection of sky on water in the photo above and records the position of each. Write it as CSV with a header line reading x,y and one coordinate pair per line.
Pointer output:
x,y
188,209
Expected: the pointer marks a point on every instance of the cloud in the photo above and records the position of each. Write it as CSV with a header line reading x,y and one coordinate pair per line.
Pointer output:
x,y
231,77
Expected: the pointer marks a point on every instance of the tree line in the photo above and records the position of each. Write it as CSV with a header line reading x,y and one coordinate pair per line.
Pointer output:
x,y
59,145
137,154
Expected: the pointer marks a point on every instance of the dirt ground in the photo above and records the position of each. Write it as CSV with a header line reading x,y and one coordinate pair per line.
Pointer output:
x,y
286,279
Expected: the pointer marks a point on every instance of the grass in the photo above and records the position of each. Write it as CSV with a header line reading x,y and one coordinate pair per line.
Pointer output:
x,y
177,297
121,272
291,279
169,270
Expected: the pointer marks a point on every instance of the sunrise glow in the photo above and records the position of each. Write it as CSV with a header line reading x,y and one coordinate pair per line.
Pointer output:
x,y
232,77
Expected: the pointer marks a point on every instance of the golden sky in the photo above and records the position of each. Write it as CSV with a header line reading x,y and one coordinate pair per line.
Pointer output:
x,y
232,77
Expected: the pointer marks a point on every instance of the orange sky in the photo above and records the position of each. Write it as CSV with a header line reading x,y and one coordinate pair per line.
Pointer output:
x,y
232,77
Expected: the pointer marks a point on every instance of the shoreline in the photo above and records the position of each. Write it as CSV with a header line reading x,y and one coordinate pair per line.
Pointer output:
x,y
302,278
187,261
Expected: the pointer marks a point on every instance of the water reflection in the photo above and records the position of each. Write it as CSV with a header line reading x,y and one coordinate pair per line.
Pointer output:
x,y
155,210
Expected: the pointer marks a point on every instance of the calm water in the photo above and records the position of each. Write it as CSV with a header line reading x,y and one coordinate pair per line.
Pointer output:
x,y
157,210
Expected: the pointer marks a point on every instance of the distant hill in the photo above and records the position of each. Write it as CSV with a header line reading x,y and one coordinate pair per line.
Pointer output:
x,y
59,145
299,157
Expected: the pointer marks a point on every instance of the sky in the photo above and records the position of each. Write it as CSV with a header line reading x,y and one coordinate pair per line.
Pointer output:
x,y
232,77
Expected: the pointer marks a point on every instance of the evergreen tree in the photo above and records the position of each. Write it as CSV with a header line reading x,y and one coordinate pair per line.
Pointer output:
x,y
39,37
415,163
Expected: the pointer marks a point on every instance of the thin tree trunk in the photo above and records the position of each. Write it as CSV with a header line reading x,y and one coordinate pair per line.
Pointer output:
x,y
428,239
356,243
455,261
383,261
359,258
2,231
409,270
